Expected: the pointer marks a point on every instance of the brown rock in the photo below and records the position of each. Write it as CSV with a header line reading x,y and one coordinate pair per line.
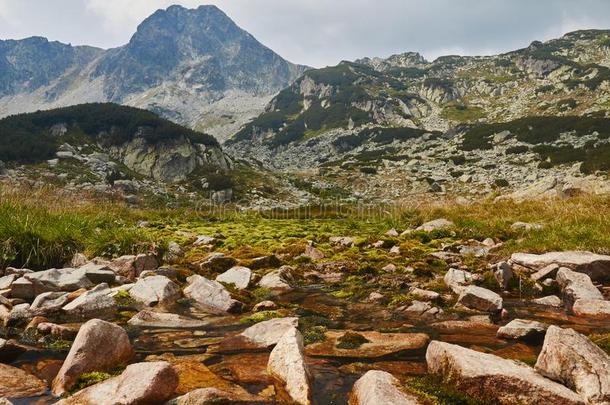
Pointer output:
x,y
99,346
16,383
379,345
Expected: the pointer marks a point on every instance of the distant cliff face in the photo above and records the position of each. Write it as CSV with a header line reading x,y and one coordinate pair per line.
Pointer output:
x,y
194,66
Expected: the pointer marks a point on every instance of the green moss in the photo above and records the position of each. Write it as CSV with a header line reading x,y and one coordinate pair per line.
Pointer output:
x,y
261,316
314,334
88,379
602,340
437,392
342,294
351,340
124,299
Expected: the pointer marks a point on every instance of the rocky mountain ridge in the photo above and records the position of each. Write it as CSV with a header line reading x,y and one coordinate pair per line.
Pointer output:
x,y
196,67
403,125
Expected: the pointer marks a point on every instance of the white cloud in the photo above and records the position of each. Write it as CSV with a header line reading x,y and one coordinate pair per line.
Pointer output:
x,y
322,32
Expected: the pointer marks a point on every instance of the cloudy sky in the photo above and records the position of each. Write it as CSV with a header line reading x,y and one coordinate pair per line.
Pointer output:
x,y
324,32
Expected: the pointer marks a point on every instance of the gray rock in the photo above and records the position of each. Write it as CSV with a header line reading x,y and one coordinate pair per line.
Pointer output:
x,y
49,302
572,359
267,333
155,290
59,280
550,301
480,299
457,280
594,309
96,302
549,271
211,296
239,276
98,273
379,387
440,223
279,279
595,266
503,274
501,380
576,286
522,329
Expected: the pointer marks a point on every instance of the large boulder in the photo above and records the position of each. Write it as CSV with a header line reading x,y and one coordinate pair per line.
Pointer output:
x,y
155,290
99,346
494,378
239,276
378,387
140,384
59,280
573,360
287,364
211,296
595,266
16,383
576,286
212,396
481,299
96,302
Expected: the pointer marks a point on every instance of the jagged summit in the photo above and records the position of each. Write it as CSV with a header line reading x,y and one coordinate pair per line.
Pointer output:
x,y
194,66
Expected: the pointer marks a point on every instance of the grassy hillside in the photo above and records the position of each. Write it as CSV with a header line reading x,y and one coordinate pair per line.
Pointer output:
x,y
27,138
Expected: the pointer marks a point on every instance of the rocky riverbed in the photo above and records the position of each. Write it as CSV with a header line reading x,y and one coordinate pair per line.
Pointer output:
x,y
217,327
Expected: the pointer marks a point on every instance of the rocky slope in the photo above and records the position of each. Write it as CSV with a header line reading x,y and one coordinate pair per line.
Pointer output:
x,y
196,67
106,146
397,126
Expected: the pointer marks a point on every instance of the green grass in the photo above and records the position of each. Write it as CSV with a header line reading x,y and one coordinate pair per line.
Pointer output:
x,y
462,113
35,235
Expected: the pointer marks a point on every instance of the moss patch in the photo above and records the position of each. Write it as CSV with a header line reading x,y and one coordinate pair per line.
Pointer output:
x,y
351,340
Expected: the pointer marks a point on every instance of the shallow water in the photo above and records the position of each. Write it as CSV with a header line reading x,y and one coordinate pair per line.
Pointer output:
x,y
333,377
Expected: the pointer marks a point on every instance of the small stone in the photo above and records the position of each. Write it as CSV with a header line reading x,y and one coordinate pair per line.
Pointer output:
x,y
435,225
264,306
239,276
522,329
480,299
550,301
